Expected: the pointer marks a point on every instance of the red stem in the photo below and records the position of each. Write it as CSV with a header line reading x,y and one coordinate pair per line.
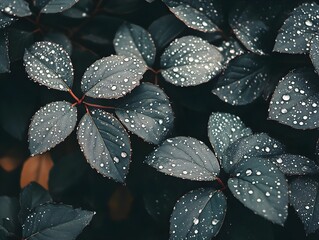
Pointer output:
x,y
97,106
75,97
221,184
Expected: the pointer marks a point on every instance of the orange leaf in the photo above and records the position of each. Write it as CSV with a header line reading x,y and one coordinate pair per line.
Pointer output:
x,y
37,169
10,162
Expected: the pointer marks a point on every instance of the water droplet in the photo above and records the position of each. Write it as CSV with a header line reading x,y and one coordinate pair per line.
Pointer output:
x,y
196,221
308,23
286,97
123,154
215,221
249,172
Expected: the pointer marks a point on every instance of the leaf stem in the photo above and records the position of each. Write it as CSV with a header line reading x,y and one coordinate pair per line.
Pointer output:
x,y
75,97
97,106
223,186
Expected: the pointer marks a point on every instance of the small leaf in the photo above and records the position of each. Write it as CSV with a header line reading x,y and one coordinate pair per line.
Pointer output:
x,y
105,144
314,52
17,8
48,64
60,39
244,80
231,49
295,101
189,61
261,186
134,41
51,125
223,130
298,30
199,214
81,9
304,198
5,20
200,15
112,77
147,113
185,157
4,54
55,221
54,6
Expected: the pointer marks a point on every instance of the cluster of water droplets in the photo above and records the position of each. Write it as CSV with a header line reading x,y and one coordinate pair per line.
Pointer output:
x,y
55,7
16,8
230,49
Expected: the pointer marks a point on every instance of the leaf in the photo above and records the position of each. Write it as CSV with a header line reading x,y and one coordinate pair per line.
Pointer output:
x,y
291,164
9,210
55,221
189,61
199,214
223,130
298,30
253,146
17,8
81,9
49,64
231,49
11,161
5,20
31,197
36,169
4,54
134,41
19,40
259,185
186,158
244,80
54,6
60,39
147,112
296,99
200,15
112,77
51,125
314,52
304,198
105,144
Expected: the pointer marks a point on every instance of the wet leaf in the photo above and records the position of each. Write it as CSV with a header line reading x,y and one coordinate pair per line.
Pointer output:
x,y
314,52
51,125
112,77
4,54
244,80
134,41
5,20
231,49
200,15
223,130
55,221
80,10
295,101
17,8
9,210
298,30
190,61
185,157
304,198
147,113
54,6
49,64
105,144
259,185
60,39
199,214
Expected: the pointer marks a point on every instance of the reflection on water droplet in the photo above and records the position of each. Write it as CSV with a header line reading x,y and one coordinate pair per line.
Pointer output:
x,y
308,23
286,97
249,172
215,221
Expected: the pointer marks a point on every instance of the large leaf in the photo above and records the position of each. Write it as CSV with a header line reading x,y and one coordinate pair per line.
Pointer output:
x,y
244,80
147,113
49,64
54,6
223,130
5,20
298,30
199,214
105,144
261,186
4,54
55,221
186,158
134,41
189,61
304,197
296,100
112,77
202,15
60,39
51,125
19,8
314,52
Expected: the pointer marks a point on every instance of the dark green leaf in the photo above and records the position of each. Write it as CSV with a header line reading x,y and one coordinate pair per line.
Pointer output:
x,y
19,40
147,113
314,52
199,214
5,20
51,125
259,185
49,64
80,10
18,8
4,54
53,221
105,144
9,210
186,158
244,80
54,6
134,41
60,39
112,77
231,49
223,130
189,61
295,101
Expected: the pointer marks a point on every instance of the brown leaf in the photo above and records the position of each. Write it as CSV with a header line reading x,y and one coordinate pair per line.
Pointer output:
x,y
120,204
37,169
11,161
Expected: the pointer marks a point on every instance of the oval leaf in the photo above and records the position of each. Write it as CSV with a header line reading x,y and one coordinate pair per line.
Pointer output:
x,y
54,6
189,61
296,100
48,64
61,39
199,214
105,144
51,125
261,186
134,41
147,112
19,8
185,157
112,77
